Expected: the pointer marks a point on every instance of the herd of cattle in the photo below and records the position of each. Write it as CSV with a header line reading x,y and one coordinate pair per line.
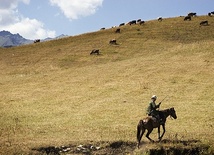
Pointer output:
x,y
141,22
193,14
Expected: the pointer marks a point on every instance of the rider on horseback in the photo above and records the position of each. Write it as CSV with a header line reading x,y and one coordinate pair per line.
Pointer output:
x,y
152,109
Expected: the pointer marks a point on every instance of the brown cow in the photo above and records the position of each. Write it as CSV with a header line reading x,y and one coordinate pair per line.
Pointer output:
x,y
142,22
117,30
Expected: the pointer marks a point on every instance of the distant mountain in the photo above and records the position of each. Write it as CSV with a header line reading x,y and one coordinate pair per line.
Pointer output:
x,y
58,37
8,39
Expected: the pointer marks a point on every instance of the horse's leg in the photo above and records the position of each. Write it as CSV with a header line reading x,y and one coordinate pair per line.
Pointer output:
x,y
140,132
148,133
163,132
159,132
141,135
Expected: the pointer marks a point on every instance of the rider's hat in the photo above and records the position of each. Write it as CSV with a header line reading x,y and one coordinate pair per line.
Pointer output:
x,y
154,97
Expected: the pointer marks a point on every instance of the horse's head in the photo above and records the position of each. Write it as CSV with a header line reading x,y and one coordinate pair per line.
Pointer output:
x,y
172,113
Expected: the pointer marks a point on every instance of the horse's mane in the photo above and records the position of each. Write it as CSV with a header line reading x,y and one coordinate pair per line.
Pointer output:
x,y
166,110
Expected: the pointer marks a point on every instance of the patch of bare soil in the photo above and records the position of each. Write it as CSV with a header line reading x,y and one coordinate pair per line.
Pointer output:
x,y
165,147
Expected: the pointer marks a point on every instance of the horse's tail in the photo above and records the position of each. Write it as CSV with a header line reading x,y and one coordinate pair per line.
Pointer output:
x,y
140,126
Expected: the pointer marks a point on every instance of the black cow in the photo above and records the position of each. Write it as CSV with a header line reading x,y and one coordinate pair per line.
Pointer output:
x,y
132,22
37,41
95,51
187,18
117,30
160,19
211,13
204,23
122,24
103,28
139,20
113,41
192,14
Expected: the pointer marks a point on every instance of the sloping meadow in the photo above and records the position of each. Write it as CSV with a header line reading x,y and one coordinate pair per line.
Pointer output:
x,y
55,93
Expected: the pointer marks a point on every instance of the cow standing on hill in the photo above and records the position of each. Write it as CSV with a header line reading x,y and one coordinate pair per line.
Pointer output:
x,y
113,41
204,23
122,24
192,14
139,20
95,51
37,41
132,22
211,13
142,22
187,18
117,30
160,19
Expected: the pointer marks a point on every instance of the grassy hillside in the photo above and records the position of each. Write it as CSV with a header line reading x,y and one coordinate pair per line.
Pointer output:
x,y
55,93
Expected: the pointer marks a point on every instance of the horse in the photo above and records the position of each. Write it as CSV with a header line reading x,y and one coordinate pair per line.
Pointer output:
x,y
149,123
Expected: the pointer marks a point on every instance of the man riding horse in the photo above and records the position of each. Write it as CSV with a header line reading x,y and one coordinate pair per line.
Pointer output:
x,y
152,109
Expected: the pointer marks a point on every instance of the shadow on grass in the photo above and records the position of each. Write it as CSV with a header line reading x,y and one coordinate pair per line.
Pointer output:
x,y
165,147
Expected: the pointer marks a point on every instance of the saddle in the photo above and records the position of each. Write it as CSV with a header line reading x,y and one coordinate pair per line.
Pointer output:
x,y
157,120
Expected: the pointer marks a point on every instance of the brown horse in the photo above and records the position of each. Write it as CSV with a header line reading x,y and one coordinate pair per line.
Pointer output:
x,y
149,123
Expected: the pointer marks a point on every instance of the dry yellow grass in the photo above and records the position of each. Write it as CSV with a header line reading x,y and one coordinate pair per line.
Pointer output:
x,y
53,93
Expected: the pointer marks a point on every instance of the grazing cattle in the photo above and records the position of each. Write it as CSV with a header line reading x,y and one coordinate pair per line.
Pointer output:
x,y
132,22
204,23
113,41
142,22
37,41
192,14
103,28
160,19
122,24
117,30
95,51
187,18
212,12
